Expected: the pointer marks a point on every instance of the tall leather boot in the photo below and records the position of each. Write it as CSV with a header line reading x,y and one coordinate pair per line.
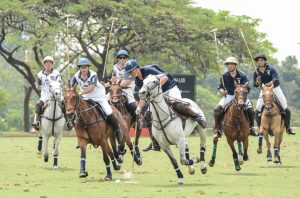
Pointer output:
x,y
185,109
250,113
37,118
218,118
132,108
113,120
68,122
258,118
287,121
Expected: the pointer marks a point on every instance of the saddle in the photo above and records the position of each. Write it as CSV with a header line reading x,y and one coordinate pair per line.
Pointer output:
x,y
98,107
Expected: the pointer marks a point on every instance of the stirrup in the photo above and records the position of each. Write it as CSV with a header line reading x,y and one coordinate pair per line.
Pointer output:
x,y
217,133
36,125
148,148
290,131
253,132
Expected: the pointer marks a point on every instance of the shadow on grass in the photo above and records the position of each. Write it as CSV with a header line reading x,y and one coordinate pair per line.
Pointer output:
x,y
243,174
175,185
60,169
274,166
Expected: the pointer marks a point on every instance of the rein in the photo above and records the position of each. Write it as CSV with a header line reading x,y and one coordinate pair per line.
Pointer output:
x,y
170,115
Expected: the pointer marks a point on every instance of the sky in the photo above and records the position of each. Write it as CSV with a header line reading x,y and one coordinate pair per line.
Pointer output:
x,y
280,20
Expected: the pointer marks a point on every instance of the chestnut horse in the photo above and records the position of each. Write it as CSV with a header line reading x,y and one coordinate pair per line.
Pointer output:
x,y
91,127
272,124
119,99
236,127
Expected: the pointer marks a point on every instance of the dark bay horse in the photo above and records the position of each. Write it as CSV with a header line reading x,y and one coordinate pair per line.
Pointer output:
x,y
272,124
91,127
236,127
118,99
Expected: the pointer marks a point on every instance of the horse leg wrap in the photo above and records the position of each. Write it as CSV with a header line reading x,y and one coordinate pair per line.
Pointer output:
x,y
40,143
202,154
260,140
214,151
55,160
179,173
276,152
137,151
240,148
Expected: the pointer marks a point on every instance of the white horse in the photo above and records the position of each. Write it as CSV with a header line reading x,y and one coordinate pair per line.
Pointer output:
x,y
52,121
168,127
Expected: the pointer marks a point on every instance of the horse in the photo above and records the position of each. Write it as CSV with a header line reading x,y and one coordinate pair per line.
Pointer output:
x,y
272,124
52,121
118,99
168,127
236,127
91,127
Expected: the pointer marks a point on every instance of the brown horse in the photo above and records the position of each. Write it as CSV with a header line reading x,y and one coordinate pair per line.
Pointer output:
x,y
236,127
91,127
272,124
118,99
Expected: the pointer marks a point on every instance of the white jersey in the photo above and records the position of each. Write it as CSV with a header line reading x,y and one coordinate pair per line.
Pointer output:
x,y
44,80
98,94
120,74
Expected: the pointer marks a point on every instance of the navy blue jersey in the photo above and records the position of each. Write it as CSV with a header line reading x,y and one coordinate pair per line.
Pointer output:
x,y
155,70
240,78
269,75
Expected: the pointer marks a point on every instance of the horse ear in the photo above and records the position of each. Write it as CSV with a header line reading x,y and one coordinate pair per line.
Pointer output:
x,y
263,86
272,86
246,83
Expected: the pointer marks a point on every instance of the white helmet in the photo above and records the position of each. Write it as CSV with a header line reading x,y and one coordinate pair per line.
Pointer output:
x,y
231,60
48,58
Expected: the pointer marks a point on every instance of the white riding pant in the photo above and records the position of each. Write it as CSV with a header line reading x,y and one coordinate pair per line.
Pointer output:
x,y
278,94
105,106
226,100
174,93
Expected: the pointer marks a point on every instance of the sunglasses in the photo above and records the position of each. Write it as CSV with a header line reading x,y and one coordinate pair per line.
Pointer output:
x,y
122,57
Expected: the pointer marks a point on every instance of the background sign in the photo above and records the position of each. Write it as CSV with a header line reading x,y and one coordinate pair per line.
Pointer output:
x,y
186,84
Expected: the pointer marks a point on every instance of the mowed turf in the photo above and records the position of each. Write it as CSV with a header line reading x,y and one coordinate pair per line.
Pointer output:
x,y
23,174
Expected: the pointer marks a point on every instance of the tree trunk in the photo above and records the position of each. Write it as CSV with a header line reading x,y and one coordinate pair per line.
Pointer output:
x,y
26,116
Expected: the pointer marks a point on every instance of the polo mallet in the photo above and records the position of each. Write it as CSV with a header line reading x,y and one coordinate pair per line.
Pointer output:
x,y
253,64
218,56
107,47
132,164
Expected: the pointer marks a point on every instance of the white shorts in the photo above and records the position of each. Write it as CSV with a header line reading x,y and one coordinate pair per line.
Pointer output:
x,y
226,100
278,94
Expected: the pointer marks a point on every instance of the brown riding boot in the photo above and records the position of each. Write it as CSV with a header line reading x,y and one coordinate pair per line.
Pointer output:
x,y
250,113
113,120
185,109
287,121
218,118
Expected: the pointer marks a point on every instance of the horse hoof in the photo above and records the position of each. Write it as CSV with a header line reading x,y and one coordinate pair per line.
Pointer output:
x,y
191,170
259,151
117,167
204,170
107,178
180,181
46,158
139,162
55,167
269,159
83,174
39,153
278,164
211,163
120,159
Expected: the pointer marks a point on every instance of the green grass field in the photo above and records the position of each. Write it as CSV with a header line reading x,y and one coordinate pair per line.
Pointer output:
x,y
23,174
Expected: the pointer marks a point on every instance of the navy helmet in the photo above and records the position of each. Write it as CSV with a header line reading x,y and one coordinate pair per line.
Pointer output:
x,y
260,55
122,53
83,61
130,65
